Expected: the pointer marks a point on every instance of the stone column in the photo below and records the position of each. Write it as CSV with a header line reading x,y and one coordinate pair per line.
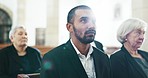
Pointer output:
x,y
52,32
21,4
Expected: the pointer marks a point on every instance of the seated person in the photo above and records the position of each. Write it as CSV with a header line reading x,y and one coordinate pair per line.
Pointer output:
x,y
18,59
130,61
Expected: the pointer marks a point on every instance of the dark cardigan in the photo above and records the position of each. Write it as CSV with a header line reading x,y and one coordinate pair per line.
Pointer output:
x,y
124,65
10,64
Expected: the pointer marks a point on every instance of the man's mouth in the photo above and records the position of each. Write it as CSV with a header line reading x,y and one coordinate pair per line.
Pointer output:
x,y
90,33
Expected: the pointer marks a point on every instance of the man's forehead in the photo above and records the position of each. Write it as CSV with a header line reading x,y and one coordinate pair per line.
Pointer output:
x,y
78,11
84,13
20,30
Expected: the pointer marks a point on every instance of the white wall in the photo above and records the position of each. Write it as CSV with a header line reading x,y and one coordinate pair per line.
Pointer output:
x,y
140,10
106,23
36,17
12,6
64,7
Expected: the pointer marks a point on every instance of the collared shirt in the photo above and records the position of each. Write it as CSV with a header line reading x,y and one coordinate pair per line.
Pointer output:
x,y
93,44
87,61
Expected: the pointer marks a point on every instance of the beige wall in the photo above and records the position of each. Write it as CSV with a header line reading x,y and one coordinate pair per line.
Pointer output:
x,y
52,32
21,12
140,10
52,37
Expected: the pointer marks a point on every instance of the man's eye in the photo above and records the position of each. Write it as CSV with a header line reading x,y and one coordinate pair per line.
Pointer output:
x,y
84,20
19,33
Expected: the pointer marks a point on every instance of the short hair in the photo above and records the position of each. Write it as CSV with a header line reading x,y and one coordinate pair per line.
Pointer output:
x,y
129,25
13,30
71,13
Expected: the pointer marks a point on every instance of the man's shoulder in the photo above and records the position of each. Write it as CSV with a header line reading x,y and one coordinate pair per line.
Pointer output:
x,y
56,49
4,52
97,42
33,49
6,49
55,53
99,53
98,50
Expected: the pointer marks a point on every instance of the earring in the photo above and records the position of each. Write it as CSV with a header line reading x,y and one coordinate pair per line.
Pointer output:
x,y
125,40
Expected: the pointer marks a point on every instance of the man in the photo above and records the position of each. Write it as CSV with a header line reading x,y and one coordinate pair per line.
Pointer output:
x,y
18,60
77,58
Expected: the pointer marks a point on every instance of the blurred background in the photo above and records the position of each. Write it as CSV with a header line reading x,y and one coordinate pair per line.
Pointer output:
x,y
45,20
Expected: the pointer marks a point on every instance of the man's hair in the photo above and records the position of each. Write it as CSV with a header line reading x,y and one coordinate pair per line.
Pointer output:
x,y
72,12
13,30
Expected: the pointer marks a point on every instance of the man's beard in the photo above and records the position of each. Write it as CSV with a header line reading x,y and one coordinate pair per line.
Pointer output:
x,y
85,39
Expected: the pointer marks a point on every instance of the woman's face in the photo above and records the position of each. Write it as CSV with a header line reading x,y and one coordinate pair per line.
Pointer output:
x,y
135,38
20,37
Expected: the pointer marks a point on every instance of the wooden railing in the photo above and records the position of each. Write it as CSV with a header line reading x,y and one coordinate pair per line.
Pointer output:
x,y
4,45
43,49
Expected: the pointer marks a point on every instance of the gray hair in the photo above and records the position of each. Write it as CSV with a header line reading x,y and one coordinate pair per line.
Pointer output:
x,y
129,25
13,30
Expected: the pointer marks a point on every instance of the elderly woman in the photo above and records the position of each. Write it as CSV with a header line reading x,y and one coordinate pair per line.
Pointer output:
x,y
18,59
129,61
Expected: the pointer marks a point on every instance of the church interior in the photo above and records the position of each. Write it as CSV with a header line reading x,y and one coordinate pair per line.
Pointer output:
x,y
45,20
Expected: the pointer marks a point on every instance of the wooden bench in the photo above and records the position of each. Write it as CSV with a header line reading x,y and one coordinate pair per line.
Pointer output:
x,y
43,49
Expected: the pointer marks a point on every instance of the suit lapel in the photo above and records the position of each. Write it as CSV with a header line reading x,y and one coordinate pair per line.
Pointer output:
x,y
96,63
75,61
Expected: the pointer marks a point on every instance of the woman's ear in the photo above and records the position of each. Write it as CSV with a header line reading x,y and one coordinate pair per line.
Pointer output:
x,y
69,27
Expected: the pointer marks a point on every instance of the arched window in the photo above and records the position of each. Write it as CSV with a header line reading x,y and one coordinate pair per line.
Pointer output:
x,y
5,26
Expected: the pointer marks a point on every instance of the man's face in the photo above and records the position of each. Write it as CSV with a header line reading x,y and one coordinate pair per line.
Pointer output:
x,y
20,37
84,25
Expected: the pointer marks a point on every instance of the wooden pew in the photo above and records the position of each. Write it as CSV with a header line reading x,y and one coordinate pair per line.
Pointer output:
x,y
43,49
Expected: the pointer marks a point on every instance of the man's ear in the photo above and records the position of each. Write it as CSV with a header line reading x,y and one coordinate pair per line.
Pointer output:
x,y
11,38
69,27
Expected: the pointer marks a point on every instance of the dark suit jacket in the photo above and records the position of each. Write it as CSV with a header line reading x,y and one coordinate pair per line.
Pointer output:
x,y
124,65
10,64
63,62
99,45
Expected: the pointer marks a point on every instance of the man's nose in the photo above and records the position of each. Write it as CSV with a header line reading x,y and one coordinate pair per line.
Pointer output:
x,y
91,25
25,36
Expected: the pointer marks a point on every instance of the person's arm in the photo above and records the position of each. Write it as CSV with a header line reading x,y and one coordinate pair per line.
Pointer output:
x,y
39,58
4,66
34,57
119,67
